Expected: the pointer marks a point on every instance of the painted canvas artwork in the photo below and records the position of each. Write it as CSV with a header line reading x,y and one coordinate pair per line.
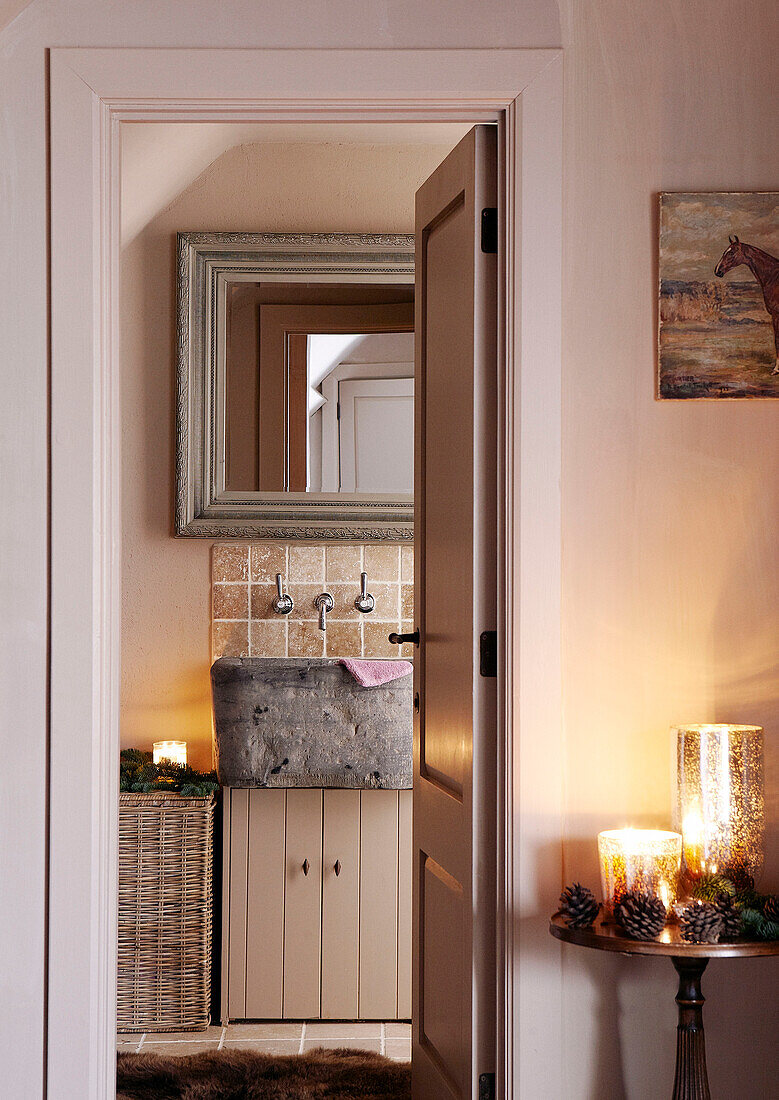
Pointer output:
x,y
719,295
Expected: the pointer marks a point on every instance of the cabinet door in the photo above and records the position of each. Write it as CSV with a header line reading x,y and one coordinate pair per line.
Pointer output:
x,y
303,904
265,905
378,904
341,905
405,875
236,824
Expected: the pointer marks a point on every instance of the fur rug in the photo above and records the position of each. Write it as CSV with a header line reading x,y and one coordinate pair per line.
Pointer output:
x,y
242,1075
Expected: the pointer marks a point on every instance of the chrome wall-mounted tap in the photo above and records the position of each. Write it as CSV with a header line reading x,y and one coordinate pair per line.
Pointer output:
x,y
323,603
282,602
365,602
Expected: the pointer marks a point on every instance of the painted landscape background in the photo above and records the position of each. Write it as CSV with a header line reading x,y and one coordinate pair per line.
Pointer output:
x,y
716,338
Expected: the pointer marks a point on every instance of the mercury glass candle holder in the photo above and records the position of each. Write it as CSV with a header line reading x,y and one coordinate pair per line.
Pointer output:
x,y
172,752
639,859
719,798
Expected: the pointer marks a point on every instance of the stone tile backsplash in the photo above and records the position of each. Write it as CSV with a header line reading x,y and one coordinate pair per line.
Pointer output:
x,y
243,584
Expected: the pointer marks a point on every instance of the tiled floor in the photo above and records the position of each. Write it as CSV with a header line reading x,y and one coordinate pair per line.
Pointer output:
x,y
392,1039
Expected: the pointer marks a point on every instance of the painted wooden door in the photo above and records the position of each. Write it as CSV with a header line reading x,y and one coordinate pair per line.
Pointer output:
x,y
378,905
265,903
376,420
455,601
341,905
302,904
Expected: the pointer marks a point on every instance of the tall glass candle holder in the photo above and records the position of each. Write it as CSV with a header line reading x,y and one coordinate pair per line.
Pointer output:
x,y
170,752
639,859
719,798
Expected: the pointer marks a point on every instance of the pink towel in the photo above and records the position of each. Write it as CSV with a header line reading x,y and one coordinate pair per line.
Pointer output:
x,y
374,673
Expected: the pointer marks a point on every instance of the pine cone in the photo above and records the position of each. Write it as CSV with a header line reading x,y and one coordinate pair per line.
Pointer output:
x,y
578,906
731,918
642,916
771,909
712,887
701,923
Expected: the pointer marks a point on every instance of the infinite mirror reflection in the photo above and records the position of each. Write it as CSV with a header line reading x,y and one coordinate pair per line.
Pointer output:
x,y
318,388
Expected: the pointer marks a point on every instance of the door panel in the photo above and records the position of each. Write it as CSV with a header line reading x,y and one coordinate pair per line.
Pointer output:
x,y
448,473
455,600
405,876
239,854
376,419
341,905
442,1010
378,904
302,906
265,908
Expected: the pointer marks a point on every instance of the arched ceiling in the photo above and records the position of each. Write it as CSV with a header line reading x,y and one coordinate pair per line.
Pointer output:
x,y
160,159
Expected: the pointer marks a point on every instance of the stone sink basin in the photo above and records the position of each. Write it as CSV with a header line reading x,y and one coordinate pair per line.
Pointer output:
x,y
306,722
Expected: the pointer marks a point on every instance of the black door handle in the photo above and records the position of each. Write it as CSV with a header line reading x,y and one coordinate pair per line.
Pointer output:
x,y
399,639
337,867
306,865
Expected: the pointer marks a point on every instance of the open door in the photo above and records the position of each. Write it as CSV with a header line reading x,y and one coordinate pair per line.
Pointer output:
x,y
454,1007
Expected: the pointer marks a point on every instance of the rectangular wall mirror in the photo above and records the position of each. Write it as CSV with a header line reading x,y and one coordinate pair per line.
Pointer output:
x,y
295,386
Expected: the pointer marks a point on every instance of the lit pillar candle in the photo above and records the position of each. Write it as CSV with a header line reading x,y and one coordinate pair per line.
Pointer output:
x,y
639,859
692,842
719,798
171,752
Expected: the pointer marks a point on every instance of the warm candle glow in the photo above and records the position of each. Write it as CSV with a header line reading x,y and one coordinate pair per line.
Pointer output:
x,y
719,798
171,752
692,842
639,859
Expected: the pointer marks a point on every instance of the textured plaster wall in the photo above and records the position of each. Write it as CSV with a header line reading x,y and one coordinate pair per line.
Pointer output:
x,y
166,602
670,510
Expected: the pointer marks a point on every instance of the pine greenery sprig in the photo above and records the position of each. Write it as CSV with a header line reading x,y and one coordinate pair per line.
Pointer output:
x,y
139,774
713,887
757,925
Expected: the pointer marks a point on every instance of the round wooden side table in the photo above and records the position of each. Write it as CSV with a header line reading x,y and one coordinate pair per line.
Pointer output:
x,y
690,960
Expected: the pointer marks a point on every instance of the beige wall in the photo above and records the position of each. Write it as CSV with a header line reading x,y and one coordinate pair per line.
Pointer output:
x,y
670,516
166,582
670,510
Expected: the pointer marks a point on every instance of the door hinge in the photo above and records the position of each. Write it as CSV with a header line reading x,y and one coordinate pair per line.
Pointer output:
x,y
338,411
489,229
488,653
487,1086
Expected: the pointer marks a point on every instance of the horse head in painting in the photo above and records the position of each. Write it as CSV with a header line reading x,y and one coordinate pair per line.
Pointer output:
x,y
733,256
765,269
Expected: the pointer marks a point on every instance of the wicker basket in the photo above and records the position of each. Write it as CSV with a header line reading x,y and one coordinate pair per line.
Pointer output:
x,y
165,912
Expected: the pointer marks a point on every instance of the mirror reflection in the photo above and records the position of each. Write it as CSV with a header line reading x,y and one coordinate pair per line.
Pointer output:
x,y
317,388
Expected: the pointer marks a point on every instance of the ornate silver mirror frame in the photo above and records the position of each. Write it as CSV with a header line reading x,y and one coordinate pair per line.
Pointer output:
x,y
206,264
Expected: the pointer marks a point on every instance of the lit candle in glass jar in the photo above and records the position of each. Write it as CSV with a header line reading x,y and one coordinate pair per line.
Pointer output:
x,y
639,859
719,798
170,752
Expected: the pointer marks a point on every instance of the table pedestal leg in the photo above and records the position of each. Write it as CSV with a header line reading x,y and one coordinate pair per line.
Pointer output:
x,y
690,1082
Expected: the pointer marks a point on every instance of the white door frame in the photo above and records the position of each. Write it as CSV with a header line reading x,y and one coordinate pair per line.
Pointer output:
x,y
92,91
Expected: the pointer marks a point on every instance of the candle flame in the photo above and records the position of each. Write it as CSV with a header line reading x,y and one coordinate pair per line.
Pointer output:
x,y
172,752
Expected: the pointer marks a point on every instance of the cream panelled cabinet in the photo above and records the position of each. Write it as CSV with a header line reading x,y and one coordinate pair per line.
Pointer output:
x,y
316,909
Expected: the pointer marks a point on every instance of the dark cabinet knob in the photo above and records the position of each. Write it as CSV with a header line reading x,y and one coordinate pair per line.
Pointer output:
x,y
399,639
337,867
306,866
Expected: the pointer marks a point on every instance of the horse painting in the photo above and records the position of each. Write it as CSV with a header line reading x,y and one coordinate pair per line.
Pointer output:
x,y
718,331
765,269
